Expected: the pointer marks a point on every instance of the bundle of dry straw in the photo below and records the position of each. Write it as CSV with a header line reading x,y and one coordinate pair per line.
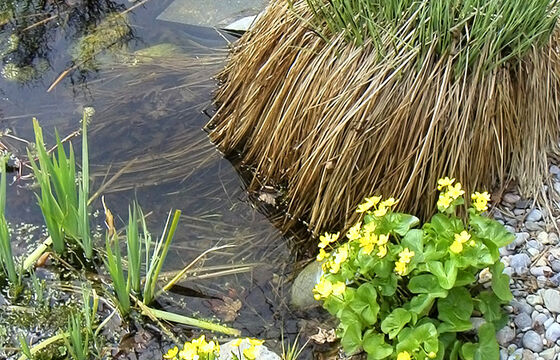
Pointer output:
x,y
333,122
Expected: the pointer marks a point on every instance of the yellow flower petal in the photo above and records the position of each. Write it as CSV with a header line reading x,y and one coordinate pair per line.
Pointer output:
x,y
255,342
456,247
446,181
171,353
404,355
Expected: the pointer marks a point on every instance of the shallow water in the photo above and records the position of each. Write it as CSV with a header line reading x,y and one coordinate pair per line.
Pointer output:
x,y
149,119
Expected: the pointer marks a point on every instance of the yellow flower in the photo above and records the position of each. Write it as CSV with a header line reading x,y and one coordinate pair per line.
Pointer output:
x,y
400,268
250,353
463,237
189,352
354,232
444,201
406,255
322,255
236,342
472,243
446,181
369,227
383,239
210,347
255,342
327,239
432,355
341,254
338,288
367,243
480,201
334,267
368,204
382,251
200,341
323,289
456,247
404,355
455,191
171,353
381,211
389,202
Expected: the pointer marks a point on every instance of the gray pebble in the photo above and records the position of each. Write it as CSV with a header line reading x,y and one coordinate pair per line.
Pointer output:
x,y
533,226
532,341
535,244
534,215
553,332
523,204
503,354
534,299
542,238
511,198
508,271
553,238
555,264
548,354
533,252
520,263
528,355
523,321
539,320
554,170
522,306
555,279
541,271
551,299
548,323
505,335
521,238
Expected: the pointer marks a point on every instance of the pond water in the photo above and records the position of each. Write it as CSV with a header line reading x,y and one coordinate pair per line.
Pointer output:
x,y
147,143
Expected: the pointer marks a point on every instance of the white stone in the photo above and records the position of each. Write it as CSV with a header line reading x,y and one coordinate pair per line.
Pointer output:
x,y
262,352
551,299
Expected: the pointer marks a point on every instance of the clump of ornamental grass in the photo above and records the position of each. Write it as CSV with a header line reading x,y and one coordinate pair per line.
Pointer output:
x,y
335,100
403,292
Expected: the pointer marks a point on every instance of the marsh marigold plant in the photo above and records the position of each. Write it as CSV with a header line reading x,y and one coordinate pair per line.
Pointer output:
x,y
404,292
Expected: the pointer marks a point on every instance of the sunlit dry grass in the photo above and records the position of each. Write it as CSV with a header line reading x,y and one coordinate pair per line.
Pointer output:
x,y
333,124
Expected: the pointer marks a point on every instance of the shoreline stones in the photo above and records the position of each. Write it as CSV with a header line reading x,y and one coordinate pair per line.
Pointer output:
x,y
533,263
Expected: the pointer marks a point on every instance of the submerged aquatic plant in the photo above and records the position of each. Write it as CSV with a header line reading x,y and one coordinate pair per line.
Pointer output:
x,y
464,87
110,34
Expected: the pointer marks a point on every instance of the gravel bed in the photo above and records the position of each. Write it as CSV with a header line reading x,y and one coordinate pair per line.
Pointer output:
x,y
533,262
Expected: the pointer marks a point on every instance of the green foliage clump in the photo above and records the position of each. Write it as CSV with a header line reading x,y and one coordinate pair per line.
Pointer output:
x,y
495,30
402,292
63,202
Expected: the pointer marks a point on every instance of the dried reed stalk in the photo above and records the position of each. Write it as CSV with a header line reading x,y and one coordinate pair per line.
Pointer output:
x,y
333,124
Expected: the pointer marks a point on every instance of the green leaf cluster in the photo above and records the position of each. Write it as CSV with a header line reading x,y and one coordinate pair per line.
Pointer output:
x,y
417,298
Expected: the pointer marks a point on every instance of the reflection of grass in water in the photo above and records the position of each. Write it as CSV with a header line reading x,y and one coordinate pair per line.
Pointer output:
x,y
179,86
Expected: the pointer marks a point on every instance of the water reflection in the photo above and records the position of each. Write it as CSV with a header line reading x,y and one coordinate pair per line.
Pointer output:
x,y
147,143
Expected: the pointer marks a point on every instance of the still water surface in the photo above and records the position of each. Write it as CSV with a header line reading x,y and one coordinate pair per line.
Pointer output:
x,y
147,130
